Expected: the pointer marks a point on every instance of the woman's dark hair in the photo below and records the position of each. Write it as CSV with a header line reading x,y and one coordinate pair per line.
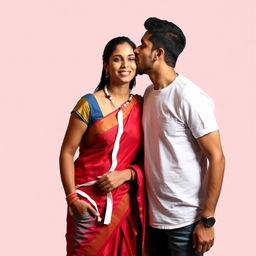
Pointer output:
x,y
166,35
109,48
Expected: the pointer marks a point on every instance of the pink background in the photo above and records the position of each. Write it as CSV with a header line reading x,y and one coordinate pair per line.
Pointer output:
x,y
50,56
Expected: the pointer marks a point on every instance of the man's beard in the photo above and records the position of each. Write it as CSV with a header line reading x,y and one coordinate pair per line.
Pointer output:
x,y
147,67
139,71
142,71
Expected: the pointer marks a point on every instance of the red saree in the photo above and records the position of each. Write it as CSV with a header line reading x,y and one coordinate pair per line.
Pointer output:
x,y
126,232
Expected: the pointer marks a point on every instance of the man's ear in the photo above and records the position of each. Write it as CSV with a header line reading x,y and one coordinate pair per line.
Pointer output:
x,y
158,53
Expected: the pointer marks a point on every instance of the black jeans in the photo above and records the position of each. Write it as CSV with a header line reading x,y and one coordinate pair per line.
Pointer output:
x,y
172,242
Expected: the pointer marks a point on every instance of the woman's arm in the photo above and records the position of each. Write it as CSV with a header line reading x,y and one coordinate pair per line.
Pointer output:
x,y
73,136
76,129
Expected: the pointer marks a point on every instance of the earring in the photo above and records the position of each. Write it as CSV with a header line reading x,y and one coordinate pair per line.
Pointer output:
x,y
107,75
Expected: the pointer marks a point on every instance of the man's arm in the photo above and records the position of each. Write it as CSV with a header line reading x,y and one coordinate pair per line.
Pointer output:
x,y
210,144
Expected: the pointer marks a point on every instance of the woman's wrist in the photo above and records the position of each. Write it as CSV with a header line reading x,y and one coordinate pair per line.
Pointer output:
x,y
71,198
132,175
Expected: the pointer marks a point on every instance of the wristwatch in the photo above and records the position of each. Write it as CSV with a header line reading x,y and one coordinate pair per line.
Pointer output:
x,y
208,221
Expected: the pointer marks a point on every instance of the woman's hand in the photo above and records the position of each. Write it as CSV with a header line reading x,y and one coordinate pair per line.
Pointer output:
x,y
80,207
114,179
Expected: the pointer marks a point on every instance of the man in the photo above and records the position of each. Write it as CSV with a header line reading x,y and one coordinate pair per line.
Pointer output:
x,y
184,162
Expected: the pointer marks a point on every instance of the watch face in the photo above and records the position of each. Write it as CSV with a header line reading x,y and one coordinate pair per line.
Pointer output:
x,y
209,222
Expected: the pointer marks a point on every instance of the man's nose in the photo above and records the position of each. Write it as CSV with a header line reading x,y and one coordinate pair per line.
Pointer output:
x,y
136,51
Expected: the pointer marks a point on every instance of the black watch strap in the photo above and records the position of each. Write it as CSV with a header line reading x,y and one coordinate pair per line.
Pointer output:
x,y
208,221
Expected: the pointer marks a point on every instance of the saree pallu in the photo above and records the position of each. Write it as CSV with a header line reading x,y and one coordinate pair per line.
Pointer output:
x,y
125,234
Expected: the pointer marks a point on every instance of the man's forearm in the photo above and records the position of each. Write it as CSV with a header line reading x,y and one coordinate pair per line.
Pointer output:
x,y
215,179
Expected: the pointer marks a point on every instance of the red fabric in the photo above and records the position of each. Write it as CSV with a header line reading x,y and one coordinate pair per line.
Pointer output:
x,y
123,241
94,159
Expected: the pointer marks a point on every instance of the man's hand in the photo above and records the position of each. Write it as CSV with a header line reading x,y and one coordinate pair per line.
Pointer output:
x,y
203,238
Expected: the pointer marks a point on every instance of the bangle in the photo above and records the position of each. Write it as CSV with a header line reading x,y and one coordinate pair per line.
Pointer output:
x,y
132,175
71,198
71,194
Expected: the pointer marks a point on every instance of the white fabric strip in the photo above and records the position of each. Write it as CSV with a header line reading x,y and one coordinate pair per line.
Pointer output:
x,y
117,141
88,198
83,194
109,206
90,183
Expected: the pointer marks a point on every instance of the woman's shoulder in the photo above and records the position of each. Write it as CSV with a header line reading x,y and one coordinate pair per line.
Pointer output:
x,y
138,100
87,96
82,108
88,99
138,97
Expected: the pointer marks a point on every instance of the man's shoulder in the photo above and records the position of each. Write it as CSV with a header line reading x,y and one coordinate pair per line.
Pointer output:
x,y
185,85
187,90
192,95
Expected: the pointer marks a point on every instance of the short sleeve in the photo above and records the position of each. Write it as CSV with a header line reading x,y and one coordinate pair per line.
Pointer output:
x,y
82,109
198,113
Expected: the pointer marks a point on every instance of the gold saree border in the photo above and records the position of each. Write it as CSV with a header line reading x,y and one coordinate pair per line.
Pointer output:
x,y
109,121
104,232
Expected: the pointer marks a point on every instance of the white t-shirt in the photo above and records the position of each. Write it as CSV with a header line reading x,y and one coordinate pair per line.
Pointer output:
x,y
175,167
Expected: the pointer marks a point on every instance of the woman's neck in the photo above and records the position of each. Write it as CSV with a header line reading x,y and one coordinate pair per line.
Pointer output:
x,y
120,92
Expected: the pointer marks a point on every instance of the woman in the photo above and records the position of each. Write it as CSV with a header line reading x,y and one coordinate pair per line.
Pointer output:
x,y
104,187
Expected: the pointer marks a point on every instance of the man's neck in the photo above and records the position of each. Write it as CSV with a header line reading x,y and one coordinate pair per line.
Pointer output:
x,y
162,76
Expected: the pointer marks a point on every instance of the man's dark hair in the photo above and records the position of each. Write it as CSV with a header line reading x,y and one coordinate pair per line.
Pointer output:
x,y
166,35
108,50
